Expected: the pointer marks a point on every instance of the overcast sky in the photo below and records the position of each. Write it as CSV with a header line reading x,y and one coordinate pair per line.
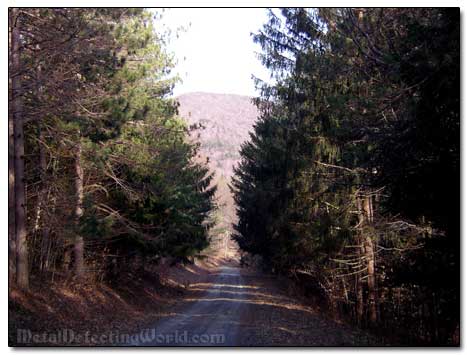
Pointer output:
x,y
216,53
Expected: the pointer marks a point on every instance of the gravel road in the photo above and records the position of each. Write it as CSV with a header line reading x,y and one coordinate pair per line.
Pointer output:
x,y
237,308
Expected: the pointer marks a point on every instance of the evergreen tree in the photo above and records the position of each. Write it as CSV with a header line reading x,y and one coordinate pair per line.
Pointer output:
x,y
108,163
330,185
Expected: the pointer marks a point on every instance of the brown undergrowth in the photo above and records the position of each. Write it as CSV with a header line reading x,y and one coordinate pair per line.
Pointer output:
x,y
123,305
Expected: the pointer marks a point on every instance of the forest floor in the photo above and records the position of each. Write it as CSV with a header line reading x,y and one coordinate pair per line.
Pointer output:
x,y
89,313
210,303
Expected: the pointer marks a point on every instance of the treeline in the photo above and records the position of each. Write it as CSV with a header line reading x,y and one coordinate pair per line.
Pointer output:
x,y
350,181
101,170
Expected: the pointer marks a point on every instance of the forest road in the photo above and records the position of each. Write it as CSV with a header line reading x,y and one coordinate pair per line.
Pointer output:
x,y
209,316
234,307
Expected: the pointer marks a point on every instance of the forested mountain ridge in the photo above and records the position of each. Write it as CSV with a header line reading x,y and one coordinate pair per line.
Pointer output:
x,y
226,120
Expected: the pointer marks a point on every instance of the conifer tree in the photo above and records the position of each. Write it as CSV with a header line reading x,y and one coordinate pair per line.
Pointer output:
x,y
330,183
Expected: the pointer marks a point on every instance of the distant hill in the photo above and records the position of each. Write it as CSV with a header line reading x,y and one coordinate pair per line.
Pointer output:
x,y
227,120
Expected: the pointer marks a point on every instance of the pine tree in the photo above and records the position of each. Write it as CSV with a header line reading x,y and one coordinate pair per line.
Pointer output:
x,y
343,125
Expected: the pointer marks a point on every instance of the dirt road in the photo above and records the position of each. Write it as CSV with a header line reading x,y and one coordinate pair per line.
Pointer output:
x,y
238,308
209,315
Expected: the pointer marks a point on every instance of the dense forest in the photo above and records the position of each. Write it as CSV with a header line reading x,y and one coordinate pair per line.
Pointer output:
x,y
350,180
102,173
347,191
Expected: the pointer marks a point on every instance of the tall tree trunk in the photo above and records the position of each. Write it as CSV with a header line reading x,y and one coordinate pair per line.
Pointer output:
x,y
359,292
22,272
358,286
43,189
42,201
11,179
42,159
78,248
370,257
11,204
360,253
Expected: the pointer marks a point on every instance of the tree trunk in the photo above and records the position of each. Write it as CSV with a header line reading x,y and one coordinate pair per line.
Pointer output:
x,y
43,201
66,262
11,183
368,209
78,248
11,204
359,292
370,257
42,160
359,286
360,253
22,272
365,218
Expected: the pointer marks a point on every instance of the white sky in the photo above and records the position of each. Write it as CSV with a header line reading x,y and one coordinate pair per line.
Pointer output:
x,y
216,53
